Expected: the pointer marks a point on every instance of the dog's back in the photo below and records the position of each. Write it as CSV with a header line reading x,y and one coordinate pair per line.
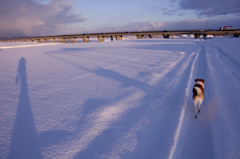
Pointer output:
x,y
198,94
198,91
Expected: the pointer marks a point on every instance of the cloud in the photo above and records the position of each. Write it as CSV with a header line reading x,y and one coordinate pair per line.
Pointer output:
x,y
188,24
28,17
210,8
202,23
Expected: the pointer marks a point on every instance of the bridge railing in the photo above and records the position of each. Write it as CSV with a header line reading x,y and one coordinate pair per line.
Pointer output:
x,y
119,35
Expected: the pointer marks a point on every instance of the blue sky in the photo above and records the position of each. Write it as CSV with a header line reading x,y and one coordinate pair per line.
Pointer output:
x,y
118,13
49,17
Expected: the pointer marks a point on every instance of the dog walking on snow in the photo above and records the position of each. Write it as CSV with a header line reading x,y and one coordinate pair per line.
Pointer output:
x,y
198,95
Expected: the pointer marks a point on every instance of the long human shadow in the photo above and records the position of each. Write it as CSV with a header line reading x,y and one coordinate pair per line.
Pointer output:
x,y
24,142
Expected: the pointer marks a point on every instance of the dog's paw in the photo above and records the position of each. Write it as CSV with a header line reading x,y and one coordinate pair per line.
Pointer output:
x,y
195,116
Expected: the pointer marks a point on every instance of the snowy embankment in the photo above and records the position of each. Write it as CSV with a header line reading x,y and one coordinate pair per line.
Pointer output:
x,y
120,99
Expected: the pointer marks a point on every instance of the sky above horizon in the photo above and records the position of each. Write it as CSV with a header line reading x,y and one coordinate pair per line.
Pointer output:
x,y
52,17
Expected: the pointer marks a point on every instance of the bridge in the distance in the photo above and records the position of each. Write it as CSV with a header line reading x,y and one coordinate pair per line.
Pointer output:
x,y
119,35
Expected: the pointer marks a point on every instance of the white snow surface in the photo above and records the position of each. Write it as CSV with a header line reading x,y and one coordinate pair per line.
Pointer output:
x,y
120,100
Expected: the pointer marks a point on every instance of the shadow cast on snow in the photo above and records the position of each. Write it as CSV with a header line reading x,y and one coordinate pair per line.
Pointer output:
x,y
164,131
25,143
152,121
126,81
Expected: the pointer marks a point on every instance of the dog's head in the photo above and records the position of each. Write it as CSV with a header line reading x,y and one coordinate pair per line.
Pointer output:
x,y
199,81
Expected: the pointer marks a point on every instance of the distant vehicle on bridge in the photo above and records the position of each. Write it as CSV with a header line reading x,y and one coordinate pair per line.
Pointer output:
x,y
228,28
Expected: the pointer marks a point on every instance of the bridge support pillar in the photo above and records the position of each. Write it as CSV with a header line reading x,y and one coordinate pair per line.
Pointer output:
x,y
150,36
119,37
197,36
43,40
236,35
73,40
111,38
166,35
52,40
100,38
140,36
85,39
205,36
61,40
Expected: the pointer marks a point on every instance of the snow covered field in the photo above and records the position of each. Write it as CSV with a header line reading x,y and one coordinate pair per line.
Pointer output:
x,y
121,99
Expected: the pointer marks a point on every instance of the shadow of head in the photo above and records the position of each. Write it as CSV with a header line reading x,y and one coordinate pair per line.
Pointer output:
x,y
21,71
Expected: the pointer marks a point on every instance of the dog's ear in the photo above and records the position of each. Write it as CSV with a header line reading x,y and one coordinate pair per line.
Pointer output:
x,y
196,80
202,80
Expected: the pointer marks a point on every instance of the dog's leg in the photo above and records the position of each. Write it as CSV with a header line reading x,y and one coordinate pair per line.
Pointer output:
x,y
199,105
196,107
196,112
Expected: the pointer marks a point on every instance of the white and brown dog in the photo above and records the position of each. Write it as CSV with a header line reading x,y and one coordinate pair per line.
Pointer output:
x,y
198,94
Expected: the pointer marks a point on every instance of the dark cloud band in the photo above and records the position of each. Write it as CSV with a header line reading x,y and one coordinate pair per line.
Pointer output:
x,y
212,7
